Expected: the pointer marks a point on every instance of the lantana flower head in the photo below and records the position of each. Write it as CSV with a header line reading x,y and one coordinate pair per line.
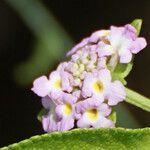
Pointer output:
x,y
81,92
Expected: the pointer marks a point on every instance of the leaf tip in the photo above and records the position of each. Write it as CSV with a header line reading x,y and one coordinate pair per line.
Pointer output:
x,y
137,23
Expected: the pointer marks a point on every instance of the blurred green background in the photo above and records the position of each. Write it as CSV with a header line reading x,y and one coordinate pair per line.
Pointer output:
x,y
34,37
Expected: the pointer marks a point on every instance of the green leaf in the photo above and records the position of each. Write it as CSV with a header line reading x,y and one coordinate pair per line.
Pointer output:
x,y
51,40
137,23
121,71
41,113
88,139
113,116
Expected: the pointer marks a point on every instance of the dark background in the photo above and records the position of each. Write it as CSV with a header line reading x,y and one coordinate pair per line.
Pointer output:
x,y
18,105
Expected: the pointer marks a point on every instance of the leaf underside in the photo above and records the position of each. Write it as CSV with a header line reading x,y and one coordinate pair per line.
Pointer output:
x,y
121,72
88,139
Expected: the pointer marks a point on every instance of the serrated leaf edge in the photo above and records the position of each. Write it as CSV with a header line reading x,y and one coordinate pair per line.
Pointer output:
x,y
36,138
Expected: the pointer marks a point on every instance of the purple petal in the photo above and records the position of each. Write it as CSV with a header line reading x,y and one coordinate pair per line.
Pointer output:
x,y
87,104
78,46
115,35
86,91
83,123
97,36
41,86
56,95
66,81
103,123
104,109
104,49
117,93
69,98
105,76
49,124
54,74
46,102
130,32
77,94
138,45
126,57
45,123
59,111
66,124
102,63
62,66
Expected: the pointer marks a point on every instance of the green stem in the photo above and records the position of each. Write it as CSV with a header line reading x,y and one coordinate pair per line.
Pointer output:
x,y
50,45
138,100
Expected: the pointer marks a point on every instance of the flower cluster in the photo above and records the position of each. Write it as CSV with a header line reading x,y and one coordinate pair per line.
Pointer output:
x,y
80,92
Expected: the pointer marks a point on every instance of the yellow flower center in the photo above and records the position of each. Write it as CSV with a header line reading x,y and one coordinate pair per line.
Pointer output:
x,y
106,33
98,86
57,84
92,114
67,109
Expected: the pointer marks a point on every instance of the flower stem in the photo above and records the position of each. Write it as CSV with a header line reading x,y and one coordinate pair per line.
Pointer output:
x,y
137,99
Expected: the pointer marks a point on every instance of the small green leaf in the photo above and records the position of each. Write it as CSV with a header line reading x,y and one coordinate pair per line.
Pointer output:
x,y
88,139
41,113
121,71
137,23
113,116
